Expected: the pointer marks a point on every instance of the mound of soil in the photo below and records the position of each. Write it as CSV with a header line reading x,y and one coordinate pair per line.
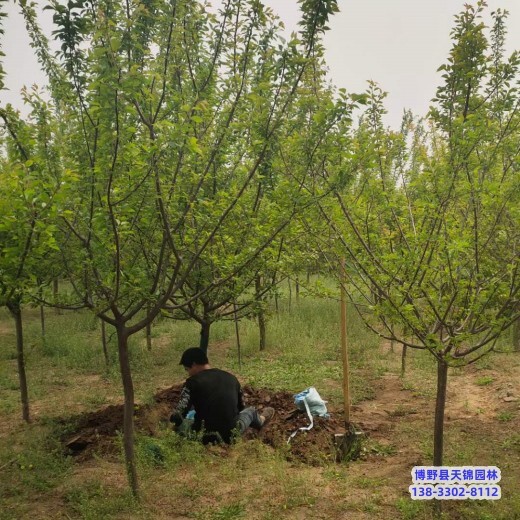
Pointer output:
x,y
95,432
312,446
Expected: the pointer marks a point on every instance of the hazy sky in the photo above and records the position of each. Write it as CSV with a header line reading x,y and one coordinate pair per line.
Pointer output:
x,y
398,43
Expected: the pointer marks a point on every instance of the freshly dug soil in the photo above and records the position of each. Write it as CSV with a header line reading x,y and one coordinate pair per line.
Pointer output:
x,y
95,432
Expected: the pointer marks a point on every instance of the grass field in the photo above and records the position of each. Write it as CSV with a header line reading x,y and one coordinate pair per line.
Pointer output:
x,y
67,376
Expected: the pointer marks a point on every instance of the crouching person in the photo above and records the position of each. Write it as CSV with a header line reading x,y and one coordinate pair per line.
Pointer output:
x,y
215,397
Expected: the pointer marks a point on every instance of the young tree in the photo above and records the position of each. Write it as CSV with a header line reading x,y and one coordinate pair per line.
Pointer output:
x,y
294,152
32,187
430,223
233,300
155,99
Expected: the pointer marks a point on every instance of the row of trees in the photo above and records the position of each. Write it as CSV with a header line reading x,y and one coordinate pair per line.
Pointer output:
x,y
431,222
187,160
153,178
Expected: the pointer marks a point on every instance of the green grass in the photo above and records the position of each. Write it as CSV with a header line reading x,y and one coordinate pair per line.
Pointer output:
x,y
168,450
304,350
378,448
413,509
181,478
230,512
93,501
512,442
484,381
35,463
369,482
505,416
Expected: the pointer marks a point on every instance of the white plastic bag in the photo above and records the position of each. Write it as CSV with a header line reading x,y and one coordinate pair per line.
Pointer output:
x,y
316,404
310,401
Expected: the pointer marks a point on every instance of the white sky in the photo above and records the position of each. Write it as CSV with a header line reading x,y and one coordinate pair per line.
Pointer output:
x,y
397,43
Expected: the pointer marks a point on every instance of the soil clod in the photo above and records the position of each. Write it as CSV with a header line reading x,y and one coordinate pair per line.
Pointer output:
x,y
95,432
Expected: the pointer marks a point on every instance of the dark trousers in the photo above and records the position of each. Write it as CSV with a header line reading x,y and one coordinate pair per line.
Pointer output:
x,y
249,417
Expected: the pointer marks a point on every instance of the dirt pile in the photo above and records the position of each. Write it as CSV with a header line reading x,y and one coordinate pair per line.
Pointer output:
x,y
96,432
312,446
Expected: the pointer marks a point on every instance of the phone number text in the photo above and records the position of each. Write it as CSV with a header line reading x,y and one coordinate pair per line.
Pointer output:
x,y
454,492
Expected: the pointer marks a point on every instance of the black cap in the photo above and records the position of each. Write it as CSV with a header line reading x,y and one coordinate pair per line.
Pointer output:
x,y
192,356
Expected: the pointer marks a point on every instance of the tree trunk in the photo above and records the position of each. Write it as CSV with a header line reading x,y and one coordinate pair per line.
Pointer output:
x,y
42,310
260,313
261,329
149,336
438,433
297,285
275,295
42,320
55,290
104,343
204,335
16,313
344,345
516,335
128,417
290,292
403,360
440,403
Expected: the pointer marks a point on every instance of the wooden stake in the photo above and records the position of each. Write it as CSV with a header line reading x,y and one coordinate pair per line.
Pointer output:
x,y
237,332
344,351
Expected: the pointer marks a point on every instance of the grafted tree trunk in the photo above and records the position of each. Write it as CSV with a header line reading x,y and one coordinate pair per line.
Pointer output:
x,y
16,313
42,320
42,309
275,294
404,352
438,432
128,417
237,333
344,345
262,330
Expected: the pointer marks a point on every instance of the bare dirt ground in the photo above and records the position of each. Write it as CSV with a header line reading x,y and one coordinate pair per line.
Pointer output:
x,y
482,416
472,407
96,431
393,423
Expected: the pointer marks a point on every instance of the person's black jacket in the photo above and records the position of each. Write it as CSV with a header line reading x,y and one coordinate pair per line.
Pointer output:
x,y
216,397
